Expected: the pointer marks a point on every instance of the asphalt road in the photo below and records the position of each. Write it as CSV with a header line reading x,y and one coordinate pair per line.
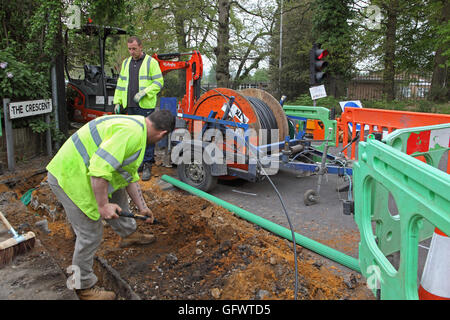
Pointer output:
x,y
323,222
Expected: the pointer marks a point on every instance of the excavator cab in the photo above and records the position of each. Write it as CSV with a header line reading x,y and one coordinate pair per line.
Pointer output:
x,y
90,87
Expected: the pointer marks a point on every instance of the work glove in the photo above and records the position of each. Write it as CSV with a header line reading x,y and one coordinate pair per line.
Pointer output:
x,y
138,96
117,109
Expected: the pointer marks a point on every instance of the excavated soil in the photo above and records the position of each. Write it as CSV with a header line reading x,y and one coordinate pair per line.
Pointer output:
x,y
202,250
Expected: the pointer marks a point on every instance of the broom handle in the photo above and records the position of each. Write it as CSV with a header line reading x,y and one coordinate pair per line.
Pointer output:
x,y
5,222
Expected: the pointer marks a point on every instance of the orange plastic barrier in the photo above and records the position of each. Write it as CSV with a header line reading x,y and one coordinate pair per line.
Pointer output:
x,y
379,120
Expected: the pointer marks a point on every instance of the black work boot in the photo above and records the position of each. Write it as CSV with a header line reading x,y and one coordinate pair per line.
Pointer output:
x,y
147,171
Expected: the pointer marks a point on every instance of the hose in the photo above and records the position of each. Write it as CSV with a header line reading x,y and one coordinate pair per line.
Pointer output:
x,y
301,240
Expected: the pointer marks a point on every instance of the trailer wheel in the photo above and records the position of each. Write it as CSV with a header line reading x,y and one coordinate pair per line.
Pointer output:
x,y
197,174
310,197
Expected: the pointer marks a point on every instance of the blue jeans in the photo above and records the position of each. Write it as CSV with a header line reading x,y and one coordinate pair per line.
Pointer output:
x,y
149,156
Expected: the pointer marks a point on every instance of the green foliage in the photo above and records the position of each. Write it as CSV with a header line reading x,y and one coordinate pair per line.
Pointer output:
x,y
18,80
415,35
408,105
260,75
334,32
329,102
28,45
399,105
104,12
211,76
39,126
296,43
443,36
29,41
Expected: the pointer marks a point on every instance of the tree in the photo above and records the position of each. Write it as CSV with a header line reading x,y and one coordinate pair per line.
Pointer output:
x,y
331,28
222,51
293,78
211,76
253,26
242,32
402,41
441,76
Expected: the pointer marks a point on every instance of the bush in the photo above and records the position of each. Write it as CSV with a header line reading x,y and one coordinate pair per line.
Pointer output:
x,y
329,102
19,82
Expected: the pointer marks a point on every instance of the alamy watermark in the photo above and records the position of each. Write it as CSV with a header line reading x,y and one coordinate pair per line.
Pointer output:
x,y
73,13
74,281
373,17
374,278
222,147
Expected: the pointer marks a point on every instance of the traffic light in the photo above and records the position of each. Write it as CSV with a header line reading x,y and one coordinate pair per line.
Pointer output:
x,y
317,64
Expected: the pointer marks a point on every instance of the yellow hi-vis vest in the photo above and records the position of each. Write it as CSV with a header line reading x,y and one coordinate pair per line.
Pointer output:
x,y
150,80
110,147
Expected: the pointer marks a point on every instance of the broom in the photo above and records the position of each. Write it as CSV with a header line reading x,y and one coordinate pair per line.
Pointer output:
x,y
16,245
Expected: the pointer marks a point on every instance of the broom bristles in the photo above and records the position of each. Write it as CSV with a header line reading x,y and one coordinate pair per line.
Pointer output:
x,y
6,256
10,248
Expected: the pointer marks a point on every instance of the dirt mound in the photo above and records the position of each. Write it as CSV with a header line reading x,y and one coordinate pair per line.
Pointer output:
x,y
202,250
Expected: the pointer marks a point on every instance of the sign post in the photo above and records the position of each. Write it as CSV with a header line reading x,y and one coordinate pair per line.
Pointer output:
x,y
24,109
9,136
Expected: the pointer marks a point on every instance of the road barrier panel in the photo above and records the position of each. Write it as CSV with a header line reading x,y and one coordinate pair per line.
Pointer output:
x,y
380,120
420,191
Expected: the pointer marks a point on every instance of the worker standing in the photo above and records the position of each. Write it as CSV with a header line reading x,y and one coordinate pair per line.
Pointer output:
x,y
91,175
140,80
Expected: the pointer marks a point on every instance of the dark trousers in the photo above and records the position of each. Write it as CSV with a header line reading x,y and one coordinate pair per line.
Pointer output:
x,y
149,156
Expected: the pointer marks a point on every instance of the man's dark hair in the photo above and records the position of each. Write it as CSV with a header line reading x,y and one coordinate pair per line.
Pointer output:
x,y
163,120
134,38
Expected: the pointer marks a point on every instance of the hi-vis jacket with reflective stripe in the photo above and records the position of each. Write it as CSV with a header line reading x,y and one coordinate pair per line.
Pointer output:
x,y
111,147
150,80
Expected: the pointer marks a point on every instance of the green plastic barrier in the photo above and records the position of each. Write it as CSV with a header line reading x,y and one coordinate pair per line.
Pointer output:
x,y
432,138
420,191
316,113
438,141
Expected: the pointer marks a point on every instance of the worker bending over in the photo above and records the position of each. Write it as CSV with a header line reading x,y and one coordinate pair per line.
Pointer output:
x,y
91,175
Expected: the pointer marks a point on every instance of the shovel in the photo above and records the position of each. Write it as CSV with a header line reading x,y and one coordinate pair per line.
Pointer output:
x,y
136,216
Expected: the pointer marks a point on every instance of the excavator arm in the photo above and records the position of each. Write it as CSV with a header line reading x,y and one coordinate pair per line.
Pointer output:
x,y
194,72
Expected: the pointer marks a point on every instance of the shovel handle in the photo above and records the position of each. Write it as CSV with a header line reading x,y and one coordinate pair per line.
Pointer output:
x,y
136,216
132,215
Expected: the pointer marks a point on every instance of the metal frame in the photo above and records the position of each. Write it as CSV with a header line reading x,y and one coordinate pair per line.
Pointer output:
x,y
283,157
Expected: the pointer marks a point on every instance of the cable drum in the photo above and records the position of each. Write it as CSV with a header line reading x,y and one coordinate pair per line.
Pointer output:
x,y
270,108
255,107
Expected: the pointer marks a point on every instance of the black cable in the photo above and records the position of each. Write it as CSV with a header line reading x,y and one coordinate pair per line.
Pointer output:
x,y
279,197
265,115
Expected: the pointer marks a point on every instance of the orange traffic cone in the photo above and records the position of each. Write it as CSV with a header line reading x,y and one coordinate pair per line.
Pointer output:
x,y
435,282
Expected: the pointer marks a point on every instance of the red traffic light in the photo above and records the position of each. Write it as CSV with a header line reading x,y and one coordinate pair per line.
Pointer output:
x,y
317,64
323,54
